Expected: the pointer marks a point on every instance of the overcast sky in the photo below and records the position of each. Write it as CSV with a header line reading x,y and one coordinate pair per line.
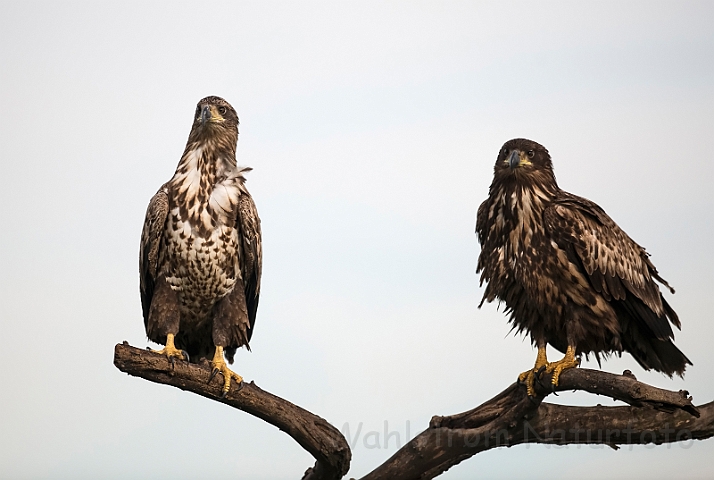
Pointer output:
x,y
372,128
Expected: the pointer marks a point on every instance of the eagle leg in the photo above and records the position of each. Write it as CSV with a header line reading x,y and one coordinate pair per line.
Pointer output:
x,y
171,351
219,366
530,376
568,361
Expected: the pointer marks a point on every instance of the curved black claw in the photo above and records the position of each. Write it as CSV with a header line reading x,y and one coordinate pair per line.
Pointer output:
x,y
240,387
213,374
185,353
172,361
537,376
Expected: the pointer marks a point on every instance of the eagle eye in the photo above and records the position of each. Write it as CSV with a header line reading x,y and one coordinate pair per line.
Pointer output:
x,y
222,110
531,154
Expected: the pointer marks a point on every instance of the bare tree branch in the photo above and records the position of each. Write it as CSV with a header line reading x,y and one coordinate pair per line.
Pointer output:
x,y
510,418
314,434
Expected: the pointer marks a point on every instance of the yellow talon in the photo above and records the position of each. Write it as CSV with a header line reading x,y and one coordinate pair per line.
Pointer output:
x,y
171,351
219,365
568,361
528,377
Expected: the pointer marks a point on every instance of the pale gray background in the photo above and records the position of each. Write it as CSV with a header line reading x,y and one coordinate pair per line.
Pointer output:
x,y
372,128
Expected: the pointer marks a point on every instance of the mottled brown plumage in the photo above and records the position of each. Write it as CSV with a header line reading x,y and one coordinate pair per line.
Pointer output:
x,y
569,276
200,255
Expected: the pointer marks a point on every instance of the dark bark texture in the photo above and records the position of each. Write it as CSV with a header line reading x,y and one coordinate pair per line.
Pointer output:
x,y
653,415
313,433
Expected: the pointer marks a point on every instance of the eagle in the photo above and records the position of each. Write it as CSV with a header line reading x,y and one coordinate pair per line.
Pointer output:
x,y
200,255
567,273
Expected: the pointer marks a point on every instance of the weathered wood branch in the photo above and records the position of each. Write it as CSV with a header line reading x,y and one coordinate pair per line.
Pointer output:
x,y
510,418
313,433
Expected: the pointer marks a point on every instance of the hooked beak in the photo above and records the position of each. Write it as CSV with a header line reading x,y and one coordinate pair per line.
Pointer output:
x,y
205,114
515,159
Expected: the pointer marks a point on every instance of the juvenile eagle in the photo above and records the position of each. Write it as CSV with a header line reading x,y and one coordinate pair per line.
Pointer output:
x,y
567,273
200,255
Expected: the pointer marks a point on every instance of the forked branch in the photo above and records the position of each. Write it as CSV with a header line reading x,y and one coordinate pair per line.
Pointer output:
x,y
510,418
654,415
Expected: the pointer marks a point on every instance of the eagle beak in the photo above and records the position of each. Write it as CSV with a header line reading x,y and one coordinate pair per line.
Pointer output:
x,y
515,159
205,114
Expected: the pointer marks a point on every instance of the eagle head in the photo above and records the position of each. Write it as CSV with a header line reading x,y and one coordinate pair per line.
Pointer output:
x,y
521,161
215,116
521,157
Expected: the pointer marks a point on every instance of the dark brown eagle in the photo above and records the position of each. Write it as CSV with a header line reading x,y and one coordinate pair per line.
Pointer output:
x,y
200,255
567,273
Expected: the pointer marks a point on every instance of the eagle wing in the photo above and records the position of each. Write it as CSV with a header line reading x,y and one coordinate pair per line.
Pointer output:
x,y
248,224
149,254
618,268
481,220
